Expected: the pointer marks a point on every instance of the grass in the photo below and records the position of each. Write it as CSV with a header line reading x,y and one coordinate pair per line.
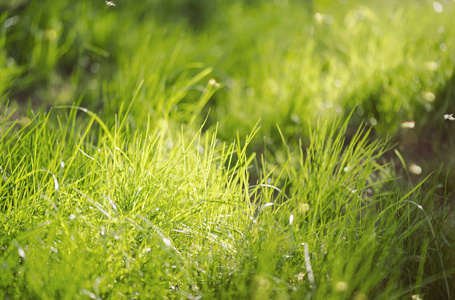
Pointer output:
x,y
219,150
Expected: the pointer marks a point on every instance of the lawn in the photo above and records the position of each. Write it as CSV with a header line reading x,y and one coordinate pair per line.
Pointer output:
x,y
252,149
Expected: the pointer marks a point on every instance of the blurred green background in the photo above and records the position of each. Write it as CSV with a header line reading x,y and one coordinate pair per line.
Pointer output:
x,y
285,63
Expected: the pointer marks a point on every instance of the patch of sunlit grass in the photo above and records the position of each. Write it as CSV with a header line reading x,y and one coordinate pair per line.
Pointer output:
x,y
112,183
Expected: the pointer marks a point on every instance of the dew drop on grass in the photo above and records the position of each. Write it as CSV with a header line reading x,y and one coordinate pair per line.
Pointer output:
x,y
62,164
437,6
50,34
341,286
291,219
97,281
415,169
55,250
428,96
431,65
318,18
72,217
21,252
111,202
91,295
215,84
303,208
267,205
56,186
167,242
11,21
328,19
443,47
408,125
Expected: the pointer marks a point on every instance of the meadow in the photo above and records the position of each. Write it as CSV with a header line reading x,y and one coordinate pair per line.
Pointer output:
x,y
252,149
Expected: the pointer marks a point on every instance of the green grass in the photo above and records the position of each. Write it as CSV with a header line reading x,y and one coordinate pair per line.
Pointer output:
x,y
217,149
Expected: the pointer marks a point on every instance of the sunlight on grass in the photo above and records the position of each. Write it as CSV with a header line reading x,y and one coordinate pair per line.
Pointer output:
x,y
216,149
